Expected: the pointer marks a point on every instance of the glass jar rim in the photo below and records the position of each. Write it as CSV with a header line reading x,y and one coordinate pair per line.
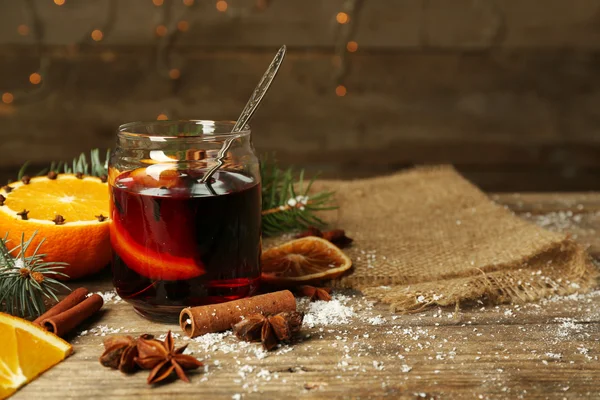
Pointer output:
x,y
143,129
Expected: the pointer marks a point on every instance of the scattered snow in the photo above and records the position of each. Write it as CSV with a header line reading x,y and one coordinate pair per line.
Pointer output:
x,y
109,296
327,313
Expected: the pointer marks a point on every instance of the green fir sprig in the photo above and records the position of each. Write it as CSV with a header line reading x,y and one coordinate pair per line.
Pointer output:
x,y
26,281
95,166
287,201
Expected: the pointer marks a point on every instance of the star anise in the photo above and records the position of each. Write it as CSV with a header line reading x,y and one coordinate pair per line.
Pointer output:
x,y
162,358
249,329
120,352
315,293
335,236
269,330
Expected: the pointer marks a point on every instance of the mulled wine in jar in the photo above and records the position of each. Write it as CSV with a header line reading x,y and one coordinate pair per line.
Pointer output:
x,y
177,241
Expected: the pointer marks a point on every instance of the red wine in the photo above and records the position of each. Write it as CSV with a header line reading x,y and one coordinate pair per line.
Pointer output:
x,y
178,242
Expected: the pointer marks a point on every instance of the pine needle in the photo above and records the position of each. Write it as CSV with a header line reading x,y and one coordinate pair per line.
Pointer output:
x,y
288,204
25,280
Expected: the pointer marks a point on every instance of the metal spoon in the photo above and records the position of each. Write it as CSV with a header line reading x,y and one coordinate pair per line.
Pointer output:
x,y
253,103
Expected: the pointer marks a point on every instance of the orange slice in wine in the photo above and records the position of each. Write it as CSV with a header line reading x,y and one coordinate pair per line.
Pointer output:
x,y
148,262
158,175
303,260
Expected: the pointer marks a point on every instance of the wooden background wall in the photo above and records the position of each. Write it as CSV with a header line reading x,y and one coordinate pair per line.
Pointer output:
x,y
507,90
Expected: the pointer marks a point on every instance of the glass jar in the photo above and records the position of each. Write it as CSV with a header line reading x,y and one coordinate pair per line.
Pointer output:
x,y
178,242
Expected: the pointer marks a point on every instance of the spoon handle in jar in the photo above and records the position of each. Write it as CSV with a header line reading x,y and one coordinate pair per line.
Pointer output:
x,y
257,95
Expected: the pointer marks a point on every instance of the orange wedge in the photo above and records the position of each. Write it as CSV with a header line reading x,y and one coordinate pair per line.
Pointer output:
x,y
27,350
303,260
81,240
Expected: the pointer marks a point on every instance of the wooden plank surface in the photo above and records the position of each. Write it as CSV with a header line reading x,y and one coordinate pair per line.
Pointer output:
x,y
500,116
505,90
546,350
481,107
383,24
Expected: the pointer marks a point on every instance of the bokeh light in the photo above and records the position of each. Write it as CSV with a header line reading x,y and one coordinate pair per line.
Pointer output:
x,y
35,78
23,30
183,26
342,18
222,5
340,90
161,30
7,97
97,35
352,46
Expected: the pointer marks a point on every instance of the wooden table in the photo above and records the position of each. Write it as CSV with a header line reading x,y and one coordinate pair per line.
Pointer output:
x,y
539,350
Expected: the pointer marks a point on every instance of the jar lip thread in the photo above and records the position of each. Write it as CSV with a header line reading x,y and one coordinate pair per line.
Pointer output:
x,y
161,130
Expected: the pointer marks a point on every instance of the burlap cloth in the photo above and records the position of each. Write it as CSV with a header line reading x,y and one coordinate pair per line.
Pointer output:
x,y
427,236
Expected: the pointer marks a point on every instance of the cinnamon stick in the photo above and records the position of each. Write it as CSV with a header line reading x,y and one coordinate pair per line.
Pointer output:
x,y
200,320
74,298
64,322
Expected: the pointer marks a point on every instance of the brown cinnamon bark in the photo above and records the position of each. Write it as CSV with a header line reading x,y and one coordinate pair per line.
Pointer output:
x,y
66,321
197,321
74,298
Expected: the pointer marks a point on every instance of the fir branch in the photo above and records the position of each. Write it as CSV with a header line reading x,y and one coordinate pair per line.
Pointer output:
x,y
26,280
287,203
94,167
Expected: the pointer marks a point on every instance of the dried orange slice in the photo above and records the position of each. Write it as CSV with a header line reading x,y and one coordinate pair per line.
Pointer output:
x,y
303,260
82,240
27,350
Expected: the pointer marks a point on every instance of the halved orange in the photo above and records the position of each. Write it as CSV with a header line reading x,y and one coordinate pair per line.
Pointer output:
x,y
304,260
27,350
82,240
